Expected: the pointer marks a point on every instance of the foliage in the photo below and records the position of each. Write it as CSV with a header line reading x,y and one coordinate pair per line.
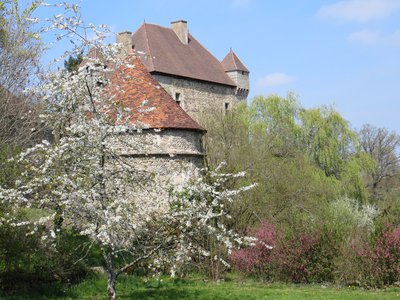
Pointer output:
x,y
257,259
311,252
327,139
20,51
73,62
346,214
382,146
300,158
8,169
380,261
25,262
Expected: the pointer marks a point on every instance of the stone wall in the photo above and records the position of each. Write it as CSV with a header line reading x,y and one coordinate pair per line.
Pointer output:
x,y
241,78
158,142
199,99
166,159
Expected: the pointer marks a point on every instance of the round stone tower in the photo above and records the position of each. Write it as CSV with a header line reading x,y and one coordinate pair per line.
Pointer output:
x,y
168,147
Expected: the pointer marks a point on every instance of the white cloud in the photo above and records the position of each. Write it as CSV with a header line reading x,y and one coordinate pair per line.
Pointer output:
x,y
274,79
375,37
368,37
359,10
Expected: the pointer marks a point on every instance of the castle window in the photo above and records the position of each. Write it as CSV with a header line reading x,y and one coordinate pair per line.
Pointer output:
x,y
178,98
226,105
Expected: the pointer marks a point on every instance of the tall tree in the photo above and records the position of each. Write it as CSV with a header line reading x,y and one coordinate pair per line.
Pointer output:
x,y
382,146
327,138
20,50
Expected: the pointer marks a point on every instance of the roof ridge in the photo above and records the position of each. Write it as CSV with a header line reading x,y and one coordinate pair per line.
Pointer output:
x,y
148,46
232,53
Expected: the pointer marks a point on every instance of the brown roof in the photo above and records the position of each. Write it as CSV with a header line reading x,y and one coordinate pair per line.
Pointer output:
x,y
161,51
133,87
232,63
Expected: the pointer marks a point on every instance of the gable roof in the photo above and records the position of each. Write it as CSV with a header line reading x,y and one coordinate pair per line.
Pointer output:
x,y
232,63
133,87
161,51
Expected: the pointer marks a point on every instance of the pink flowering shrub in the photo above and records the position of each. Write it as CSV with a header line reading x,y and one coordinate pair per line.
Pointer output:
x,y
303,257
257,259
296,257
323,254
379,263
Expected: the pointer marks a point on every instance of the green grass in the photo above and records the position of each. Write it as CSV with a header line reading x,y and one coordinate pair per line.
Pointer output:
x,y
130,287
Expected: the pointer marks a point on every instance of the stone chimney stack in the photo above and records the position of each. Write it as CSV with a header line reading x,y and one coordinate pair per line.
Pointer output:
x,y
181,30
125,38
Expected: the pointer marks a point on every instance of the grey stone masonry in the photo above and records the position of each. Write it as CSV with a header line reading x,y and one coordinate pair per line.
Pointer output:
x,y
169,158
199,98
241,78
168,142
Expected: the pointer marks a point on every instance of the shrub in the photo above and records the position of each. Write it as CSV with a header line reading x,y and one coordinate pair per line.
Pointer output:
x,y
257,259
308,257
305,256
26,262
380,262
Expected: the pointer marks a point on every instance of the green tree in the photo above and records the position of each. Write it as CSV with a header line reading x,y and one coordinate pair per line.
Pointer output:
x,y
335,148
73,62
273,121
327,138
301,159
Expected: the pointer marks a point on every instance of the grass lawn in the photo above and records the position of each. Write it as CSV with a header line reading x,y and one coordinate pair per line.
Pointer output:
x,y
130,287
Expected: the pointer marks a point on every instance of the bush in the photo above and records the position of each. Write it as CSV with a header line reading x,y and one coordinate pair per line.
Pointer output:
x,y
257,259
25,261
308,256
380,262
305,256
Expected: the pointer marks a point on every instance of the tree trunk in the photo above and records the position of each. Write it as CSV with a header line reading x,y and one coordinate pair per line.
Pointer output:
x,y
112,276
112,293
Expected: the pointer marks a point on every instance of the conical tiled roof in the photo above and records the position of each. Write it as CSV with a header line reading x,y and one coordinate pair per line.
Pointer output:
x,y
232,63
133,87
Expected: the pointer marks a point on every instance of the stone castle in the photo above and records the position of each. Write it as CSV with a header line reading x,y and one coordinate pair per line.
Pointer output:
x,y
193,77
169,82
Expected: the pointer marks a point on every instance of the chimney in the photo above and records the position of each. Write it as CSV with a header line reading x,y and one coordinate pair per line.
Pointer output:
x,y
125,38
180,29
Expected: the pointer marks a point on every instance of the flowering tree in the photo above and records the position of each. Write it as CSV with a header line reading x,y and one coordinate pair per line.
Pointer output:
x,y
86,185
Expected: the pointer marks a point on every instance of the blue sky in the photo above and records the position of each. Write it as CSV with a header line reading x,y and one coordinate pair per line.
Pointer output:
x,y
345,53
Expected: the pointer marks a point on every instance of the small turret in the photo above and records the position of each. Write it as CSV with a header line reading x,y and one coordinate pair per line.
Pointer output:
x,y
237,71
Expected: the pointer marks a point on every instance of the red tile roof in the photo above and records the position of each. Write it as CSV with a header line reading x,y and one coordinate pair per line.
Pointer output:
x,y
133,87
232,63
161,51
